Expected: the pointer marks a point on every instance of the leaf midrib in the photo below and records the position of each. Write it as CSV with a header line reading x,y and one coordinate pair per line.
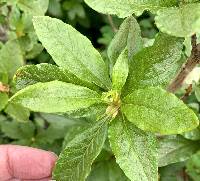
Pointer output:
x,y
130,139
83,65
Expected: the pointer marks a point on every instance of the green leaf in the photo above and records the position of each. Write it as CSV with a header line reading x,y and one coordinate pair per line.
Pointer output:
x,y
93,111
72,51
58,127
135,150
124,8
75,161
31,74
55,8
16,130
106,171
35,51
73,131
188,45
18,112
172,172
173,149
120,71
153,109
197,92
34,7
193,166
3,100
156,65
3,75
55,96
11,57
186,20
193,134
128,35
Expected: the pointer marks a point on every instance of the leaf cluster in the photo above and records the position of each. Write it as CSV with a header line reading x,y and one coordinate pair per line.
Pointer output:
x,y
117,120
136,104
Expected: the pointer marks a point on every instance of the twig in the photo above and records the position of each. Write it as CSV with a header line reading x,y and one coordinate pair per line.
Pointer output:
x,y
187,93
191,63
112,23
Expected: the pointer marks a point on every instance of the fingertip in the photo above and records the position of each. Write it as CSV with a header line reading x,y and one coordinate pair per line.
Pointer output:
x,y
30,163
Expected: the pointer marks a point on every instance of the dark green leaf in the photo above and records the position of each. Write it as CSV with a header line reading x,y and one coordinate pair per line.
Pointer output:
x,y
129,35
106,171
172,172
193,167
173,149
156,65
193,134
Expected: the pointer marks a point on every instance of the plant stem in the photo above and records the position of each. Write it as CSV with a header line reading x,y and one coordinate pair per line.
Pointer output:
x,y
112,23
187,93
191,63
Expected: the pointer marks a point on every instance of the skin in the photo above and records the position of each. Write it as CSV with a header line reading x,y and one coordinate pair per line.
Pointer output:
x,y
20,163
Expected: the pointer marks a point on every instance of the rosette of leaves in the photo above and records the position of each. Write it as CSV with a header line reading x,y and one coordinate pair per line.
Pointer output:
x,y
134,101
184,13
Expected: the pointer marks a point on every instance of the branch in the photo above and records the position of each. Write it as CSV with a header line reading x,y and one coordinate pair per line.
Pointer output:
x,y
191,63
112,23
187,93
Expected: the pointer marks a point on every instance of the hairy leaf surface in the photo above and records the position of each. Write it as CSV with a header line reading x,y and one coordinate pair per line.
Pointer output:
x,y
31,74
128,35
135,150
56,96
186,20
75,161
156,65
72,51
153,109
124,8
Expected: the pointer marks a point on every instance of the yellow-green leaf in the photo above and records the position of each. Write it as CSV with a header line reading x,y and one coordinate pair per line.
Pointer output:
x,y
55,96
153,109
72,51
